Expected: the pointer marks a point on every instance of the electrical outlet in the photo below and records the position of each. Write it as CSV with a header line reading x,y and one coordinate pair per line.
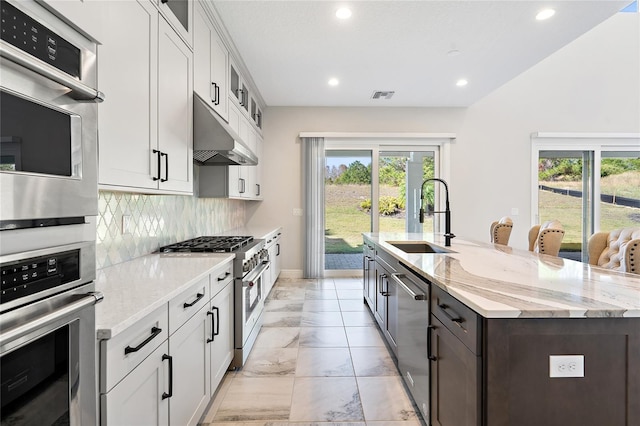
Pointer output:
x,y
297,212
566,365
515,211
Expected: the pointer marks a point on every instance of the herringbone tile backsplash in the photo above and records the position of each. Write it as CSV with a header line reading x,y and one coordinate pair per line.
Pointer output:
x,y
158,220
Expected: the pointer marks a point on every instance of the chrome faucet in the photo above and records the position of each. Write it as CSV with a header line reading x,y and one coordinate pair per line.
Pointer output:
x,y
447,212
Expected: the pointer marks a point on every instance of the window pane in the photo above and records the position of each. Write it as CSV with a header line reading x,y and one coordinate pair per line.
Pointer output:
x,y
347,207
620,190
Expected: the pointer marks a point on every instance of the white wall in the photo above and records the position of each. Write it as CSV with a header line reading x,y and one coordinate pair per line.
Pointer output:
x,y
591,85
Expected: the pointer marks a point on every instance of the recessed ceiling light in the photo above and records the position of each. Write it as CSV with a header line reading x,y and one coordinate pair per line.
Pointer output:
x,y
453,52
545,14
461,82
343,13
333,82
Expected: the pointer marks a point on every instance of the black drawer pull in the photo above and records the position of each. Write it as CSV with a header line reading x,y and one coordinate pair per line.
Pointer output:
x,y
457,319
198,297
226,274
169,394
430,356
154,332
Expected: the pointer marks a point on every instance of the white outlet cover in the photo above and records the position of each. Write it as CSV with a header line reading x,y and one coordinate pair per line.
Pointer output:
x,y
297,212
566,366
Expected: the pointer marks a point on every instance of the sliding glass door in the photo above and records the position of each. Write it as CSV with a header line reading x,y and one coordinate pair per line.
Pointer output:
x,y
374,190
587,191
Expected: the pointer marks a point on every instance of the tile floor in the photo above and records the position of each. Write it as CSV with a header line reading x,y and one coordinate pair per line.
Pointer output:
x,y
319,360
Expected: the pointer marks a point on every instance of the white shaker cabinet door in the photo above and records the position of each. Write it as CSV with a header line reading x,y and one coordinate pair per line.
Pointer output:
x,y
222,345
190,352
138,398
127,118
175,110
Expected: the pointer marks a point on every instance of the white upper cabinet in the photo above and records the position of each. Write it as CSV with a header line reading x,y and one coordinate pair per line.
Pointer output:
x,y
238,88
179,13
144,127
211,63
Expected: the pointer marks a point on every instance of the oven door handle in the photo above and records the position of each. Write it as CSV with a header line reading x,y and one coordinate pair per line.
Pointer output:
x,y
256,273
79,91
22,330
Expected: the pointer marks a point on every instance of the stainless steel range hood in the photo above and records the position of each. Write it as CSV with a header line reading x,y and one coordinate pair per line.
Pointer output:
x,y
215,143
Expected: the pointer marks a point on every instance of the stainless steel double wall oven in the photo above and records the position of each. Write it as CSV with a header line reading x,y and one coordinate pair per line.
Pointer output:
x,y
48,188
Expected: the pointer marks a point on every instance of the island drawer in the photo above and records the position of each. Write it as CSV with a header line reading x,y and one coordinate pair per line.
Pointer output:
x,y
463,322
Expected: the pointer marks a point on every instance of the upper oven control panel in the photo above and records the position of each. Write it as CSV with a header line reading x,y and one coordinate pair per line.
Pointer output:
x,y
30,276
28,35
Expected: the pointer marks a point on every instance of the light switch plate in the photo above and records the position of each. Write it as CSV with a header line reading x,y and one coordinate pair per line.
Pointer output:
x,y
566,365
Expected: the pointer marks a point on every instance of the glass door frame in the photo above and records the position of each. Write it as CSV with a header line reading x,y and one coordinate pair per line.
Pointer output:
x,y
590,146
377,143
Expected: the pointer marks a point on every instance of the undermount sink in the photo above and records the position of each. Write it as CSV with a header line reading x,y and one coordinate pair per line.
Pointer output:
x,y
418,247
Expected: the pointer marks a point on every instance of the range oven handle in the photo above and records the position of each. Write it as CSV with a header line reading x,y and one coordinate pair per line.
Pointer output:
x,y
256,272
22,330
79,91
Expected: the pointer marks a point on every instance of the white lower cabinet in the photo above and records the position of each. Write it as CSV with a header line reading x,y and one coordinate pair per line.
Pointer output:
x,y
164,369
190,352
221,344
138,398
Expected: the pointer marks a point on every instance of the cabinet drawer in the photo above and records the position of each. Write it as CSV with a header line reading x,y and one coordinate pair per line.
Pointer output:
x,y
120,355
457,317
220,277
187,303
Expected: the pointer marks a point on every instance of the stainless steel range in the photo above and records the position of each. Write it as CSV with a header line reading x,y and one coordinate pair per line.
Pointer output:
x,y
252,260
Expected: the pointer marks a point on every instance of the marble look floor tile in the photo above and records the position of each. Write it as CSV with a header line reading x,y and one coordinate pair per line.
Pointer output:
x,y
220,393
321,294
321,319
328,399
323,337
315,424
349,283
287,293
384,398
270,362
321,306
396,423
281,319
358,319
278,337
321,284
283,305
352,305
364,336
325,362
256,398
373,362
350,294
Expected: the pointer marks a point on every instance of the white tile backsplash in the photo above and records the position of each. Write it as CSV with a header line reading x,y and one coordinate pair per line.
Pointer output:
x,y
158,220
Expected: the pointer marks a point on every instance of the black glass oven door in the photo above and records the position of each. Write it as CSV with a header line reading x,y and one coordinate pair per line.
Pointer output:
x,y
38,379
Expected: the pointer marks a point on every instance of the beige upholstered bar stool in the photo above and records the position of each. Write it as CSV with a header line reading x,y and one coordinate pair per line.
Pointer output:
x,y
546,238
501,231
618,250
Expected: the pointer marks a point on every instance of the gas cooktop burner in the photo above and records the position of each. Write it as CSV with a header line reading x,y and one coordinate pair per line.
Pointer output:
x,y
215,244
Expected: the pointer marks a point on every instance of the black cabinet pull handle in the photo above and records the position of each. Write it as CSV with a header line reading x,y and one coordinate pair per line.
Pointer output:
x,y
258,189
166,168
217,94
198,297
154,332
155,151
217,320
384,277
169,394
278,247
164,1
457,319
213,325
213,95
226,274
430,356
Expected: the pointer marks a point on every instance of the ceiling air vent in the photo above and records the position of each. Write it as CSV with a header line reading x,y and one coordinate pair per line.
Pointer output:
x,y
382,94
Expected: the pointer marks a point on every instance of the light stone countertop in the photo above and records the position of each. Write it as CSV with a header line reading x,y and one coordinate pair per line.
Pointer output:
x,y
136,288
502,282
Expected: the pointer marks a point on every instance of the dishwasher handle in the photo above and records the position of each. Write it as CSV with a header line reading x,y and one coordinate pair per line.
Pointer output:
x,y
405,287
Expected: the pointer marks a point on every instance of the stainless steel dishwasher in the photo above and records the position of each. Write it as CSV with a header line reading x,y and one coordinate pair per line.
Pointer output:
x,y
413,332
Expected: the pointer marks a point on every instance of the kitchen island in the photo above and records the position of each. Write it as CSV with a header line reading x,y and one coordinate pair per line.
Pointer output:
x,y
513,337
